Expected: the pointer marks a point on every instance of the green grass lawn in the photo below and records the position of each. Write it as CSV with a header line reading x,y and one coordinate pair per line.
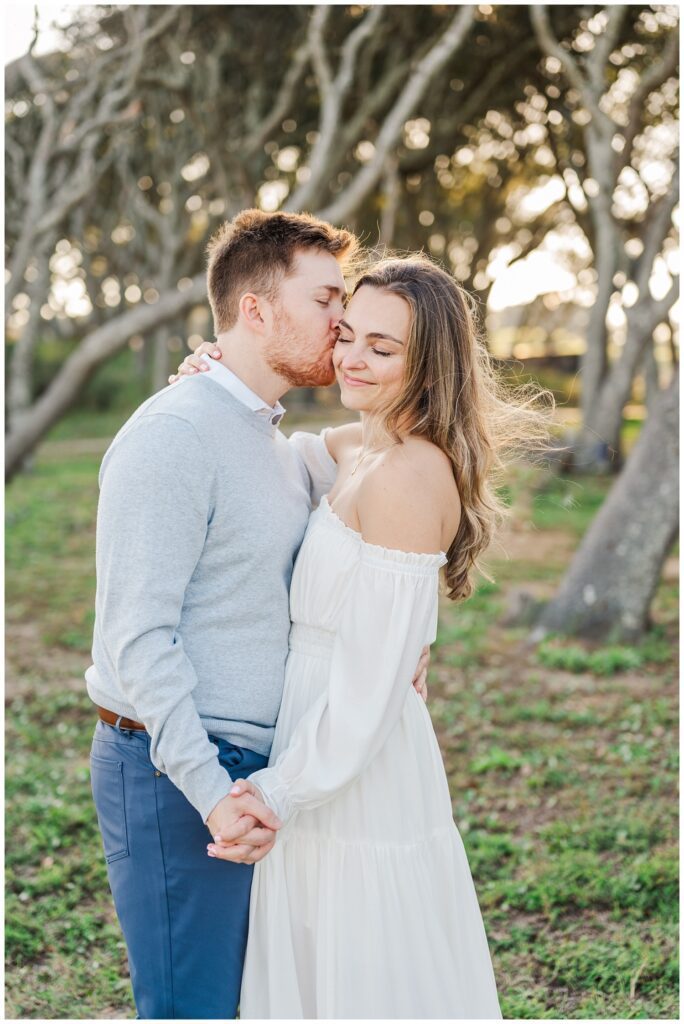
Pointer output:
x,y
562,763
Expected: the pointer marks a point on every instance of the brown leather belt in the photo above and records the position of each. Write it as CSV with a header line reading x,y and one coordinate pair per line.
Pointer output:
x,y
111,719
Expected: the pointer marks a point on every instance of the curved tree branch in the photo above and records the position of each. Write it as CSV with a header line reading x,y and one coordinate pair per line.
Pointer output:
x,y
431,64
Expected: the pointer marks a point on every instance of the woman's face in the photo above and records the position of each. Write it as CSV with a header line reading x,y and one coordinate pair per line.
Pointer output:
x,y
370,352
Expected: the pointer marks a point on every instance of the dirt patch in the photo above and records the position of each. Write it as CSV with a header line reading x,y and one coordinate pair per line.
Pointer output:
x,y
30,666
68,449
519,542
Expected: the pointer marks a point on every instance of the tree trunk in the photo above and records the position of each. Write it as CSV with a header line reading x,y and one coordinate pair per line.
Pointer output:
x,y
598,446
20,377
607,592
651,378
94,350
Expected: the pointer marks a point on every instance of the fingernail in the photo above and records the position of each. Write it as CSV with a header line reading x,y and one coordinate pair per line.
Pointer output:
x,y
217,353
217,839
210,854
235,790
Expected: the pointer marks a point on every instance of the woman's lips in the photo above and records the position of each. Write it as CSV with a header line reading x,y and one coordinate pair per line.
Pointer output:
x,y
354,382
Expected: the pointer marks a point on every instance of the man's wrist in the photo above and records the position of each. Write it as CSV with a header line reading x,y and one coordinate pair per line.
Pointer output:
x,y
219,801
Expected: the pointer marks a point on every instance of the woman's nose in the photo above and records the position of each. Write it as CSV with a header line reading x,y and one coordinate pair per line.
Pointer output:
x,y
352,357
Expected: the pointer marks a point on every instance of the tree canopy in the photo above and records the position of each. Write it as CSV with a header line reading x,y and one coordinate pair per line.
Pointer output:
x,y
480,133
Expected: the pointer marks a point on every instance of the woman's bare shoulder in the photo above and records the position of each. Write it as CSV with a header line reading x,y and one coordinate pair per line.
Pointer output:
x,y
402,499
420,463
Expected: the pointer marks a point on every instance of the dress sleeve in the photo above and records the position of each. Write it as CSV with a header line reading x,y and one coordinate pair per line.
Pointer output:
x,y
388,615
320,466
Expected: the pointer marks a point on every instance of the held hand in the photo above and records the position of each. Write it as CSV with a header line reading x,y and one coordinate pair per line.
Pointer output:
x,y
233,817
192,363
245,827
420,678
241,853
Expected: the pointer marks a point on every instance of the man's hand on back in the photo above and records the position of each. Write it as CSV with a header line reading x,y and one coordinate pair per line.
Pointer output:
x,y
243,827
420,678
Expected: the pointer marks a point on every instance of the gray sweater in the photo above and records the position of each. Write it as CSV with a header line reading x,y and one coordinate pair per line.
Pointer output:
x,y
203,506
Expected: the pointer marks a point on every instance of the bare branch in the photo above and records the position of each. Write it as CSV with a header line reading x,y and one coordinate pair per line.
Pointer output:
x,y
281,107
333,93
36,187
372,104
658,229
430,65
20,377
604,45
319,54
652,78
74,190
550,46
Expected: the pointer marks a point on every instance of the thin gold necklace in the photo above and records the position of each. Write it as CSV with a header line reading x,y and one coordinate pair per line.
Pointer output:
x,y
371,451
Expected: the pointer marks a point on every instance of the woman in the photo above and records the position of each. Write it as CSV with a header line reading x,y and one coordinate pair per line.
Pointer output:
x,y
365,907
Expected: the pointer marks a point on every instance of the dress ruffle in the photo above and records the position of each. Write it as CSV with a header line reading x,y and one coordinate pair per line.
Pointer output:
x,y
391,556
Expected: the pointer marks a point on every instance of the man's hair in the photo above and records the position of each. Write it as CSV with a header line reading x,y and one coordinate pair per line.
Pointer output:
x,y
256,250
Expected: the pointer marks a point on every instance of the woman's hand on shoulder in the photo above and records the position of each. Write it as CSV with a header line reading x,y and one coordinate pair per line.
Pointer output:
x,y
401,500
193,363
342,440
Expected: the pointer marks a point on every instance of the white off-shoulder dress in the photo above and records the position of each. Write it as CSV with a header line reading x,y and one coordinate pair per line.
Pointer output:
x,y
365,907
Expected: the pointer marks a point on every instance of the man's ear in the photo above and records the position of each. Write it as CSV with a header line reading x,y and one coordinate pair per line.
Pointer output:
x,y
250,311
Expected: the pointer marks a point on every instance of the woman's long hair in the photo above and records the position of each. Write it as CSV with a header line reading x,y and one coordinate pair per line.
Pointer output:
x,y
453,397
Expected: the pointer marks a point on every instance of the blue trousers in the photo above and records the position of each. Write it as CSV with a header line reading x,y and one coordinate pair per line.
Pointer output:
x,y
183,914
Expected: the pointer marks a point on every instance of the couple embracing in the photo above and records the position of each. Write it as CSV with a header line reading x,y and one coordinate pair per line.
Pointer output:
x,y
263,605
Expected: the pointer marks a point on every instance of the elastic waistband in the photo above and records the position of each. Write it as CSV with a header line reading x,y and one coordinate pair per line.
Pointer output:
x,y
311,639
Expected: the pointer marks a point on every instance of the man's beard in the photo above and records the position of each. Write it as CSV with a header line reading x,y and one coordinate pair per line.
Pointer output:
x,y
283,359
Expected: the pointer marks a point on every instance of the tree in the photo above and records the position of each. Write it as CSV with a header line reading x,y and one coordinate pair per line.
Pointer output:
x,y
124,101
152,125
59,159
617,76
607,592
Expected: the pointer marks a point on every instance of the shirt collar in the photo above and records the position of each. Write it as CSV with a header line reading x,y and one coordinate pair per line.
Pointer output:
x,y
238,389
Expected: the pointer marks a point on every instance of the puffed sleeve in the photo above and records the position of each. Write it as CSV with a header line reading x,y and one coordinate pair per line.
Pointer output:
x,y
388,615
320,466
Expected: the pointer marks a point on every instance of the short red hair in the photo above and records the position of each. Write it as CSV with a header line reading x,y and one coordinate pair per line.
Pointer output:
x,y
255,251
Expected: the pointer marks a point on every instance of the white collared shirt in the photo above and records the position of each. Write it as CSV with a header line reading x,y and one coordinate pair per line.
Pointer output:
x,y
238,389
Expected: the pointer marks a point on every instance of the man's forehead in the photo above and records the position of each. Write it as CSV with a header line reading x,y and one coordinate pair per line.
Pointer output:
x,y
320,270
334,289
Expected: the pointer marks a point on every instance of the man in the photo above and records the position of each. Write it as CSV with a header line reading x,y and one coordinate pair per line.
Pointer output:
x,y
203,506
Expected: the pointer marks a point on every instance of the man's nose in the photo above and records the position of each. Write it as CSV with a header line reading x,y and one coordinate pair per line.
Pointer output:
x,y
337,313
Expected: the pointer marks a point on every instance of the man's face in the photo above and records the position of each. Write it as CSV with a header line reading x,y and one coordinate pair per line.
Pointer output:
x,y
306,315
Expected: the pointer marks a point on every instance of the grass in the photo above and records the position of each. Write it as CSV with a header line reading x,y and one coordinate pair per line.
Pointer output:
x,y
562,763
606,660
568,503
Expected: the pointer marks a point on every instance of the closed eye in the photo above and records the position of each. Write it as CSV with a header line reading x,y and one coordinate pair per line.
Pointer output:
x,y
380,352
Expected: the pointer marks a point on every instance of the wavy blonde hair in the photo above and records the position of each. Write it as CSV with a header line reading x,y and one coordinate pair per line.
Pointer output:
x,y
453,397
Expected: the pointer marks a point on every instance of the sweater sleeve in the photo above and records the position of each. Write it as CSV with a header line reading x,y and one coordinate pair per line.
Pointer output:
x,y
320,466
155,505
388,614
